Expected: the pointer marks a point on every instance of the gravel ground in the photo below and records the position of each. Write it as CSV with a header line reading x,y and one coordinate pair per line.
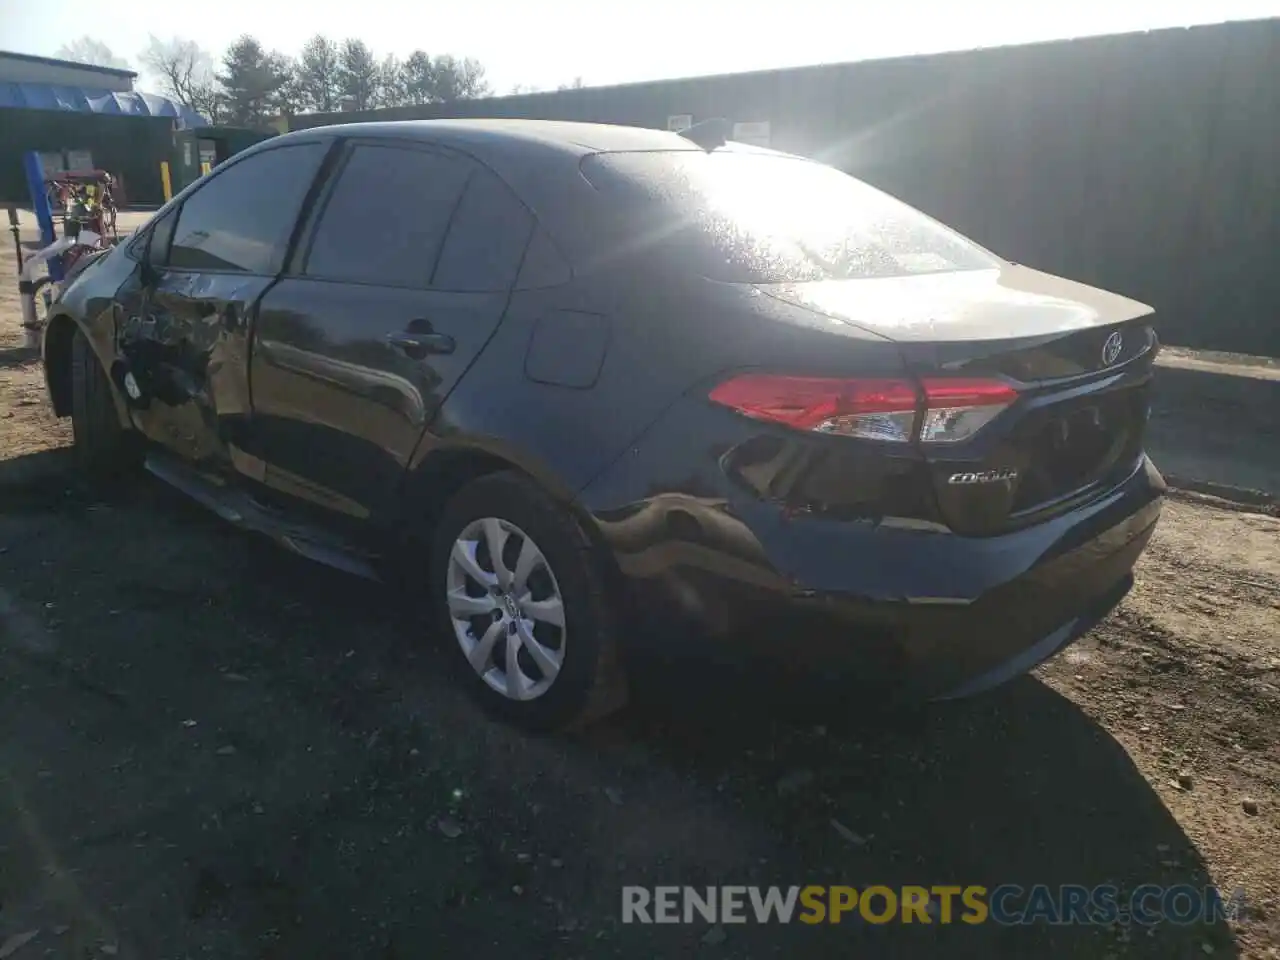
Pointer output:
x,y
211,748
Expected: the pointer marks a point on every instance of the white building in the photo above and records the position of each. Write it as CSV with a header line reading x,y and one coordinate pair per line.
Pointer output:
x,y
26,68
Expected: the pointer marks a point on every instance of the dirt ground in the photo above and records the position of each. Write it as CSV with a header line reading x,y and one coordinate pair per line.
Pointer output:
x,y
211,748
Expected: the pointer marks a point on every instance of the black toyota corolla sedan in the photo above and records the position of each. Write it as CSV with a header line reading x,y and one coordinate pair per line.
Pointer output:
x,y
582,386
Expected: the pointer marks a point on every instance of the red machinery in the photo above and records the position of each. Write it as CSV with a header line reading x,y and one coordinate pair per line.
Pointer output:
x,y
87,203
89,197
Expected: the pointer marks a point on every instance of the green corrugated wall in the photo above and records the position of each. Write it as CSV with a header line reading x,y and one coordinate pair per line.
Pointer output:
x,y
129,147
1145,163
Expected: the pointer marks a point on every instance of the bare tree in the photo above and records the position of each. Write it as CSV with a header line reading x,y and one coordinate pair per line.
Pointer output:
x,y
184,71
575,85
95,52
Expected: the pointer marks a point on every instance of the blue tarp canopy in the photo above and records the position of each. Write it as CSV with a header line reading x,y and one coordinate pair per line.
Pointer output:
x,y
46,96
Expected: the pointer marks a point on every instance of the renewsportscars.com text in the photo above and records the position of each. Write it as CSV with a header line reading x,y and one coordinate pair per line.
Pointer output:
x,y
1007,905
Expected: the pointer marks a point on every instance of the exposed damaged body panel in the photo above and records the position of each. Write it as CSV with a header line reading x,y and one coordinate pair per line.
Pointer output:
x,y
185,342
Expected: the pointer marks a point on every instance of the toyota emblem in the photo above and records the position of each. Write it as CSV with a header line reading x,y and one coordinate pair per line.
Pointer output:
x,y
1111,348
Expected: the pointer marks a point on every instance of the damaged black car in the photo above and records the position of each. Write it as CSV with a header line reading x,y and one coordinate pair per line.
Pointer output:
x,y
581,389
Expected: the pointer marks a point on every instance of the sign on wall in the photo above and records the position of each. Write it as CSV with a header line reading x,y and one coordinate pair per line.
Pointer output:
x,y
52,164
78,160
754,132
680,121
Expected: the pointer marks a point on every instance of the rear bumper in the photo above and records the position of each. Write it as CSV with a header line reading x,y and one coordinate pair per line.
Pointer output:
x,y
921,611
1022,660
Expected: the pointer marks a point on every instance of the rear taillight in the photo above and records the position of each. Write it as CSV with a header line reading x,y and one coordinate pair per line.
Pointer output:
x,y
957,409
938,411
873,409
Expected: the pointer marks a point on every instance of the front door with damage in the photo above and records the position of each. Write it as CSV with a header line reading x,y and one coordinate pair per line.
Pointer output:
x,y
185,327
187,346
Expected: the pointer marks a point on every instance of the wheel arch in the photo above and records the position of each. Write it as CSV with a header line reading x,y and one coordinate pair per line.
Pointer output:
x,y
440,474
59,332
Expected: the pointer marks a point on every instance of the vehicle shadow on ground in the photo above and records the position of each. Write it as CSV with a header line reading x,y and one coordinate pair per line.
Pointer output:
x,y
18,356
1016,787
352,738
1019,787
23,474
38,481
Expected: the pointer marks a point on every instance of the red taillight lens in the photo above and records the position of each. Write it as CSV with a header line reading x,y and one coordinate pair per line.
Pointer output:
x,y
870,409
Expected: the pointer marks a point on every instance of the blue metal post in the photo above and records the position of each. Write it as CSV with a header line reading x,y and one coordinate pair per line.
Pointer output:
x,y
40,205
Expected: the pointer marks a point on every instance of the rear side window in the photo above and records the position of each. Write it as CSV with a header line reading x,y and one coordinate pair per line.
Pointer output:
x,y
241,220
486,238
543,266
764,218
386,219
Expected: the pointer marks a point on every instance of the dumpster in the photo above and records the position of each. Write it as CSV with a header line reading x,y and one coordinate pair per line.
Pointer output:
x,y
198,151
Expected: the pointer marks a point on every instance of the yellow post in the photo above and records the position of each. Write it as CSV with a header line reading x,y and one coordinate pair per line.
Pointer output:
x,y
165,182
204,169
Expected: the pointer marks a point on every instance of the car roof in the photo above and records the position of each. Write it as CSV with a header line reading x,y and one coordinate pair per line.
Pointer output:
x,y
482,138
538,159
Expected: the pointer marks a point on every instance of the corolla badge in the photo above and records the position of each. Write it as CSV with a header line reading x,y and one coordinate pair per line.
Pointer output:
x,y
1111,348
985,476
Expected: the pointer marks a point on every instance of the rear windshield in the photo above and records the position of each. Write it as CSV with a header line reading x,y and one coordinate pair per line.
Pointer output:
x,y
762,218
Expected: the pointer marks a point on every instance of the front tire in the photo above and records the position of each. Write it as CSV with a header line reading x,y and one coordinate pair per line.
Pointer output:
x,y
102,447
520,599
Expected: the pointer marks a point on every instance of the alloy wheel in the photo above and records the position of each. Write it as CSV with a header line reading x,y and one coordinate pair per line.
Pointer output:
x,y
506,608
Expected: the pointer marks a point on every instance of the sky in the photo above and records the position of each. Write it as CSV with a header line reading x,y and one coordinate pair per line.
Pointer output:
x,y
551,42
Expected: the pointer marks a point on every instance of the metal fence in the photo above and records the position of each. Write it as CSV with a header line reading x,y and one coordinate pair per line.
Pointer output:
x,y
1145,163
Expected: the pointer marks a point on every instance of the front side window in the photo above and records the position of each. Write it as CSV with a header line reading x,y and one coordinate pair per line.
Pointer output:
x,y
240,220
763,218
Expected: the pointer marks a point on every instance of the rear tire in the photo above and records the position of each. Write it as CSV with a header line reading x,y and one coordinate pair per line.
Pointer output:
x,y
102,447
567,674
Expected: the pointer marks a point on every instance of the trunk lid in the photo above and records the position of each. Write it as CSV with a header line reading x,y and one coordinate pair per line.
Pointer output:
x,y
1080,359
962,313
